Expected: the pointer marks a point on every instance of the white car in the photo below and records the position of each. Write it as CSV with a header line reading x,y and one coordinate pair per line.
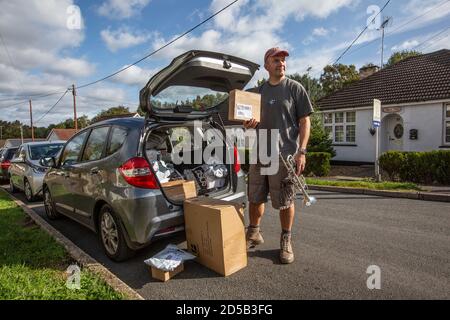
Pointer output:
x,y
26,173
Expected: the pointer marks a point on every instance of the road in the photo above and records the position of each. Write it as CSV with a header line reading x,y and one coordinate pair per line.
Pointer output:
x,y
335,241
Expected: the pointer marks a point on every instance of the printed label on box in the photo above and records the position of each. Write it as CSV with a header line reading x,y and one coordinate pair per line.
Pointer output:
x,y
243,111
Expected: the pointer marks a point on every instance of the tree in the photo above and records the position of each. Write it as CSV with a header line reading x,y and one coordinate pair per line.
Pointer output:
x,y
319,140
311,85
399,56
111,112
336,77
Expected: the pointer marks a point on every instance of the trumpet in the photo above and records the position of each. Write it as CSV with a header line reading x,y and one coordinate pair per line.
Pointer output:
x,y
299,181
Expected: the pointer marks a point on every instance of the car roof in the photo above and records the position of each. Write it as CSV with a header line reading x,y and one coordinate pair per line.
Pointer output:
x,y
126,122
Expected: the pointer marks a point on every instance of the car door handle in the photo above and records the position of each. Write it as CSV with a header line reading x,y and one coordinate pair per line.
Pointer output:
x,y
94,171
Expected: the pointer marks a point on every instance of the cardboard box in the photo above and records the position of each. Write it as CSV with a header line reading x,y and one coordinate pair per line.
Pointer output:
x,y
180,189
215,233
244,105
166,275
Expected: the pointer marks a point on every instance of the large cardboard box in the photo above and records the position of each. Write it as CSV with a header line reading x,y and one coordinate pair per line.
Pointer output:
x,y
180,189
244,105
215,233
166,275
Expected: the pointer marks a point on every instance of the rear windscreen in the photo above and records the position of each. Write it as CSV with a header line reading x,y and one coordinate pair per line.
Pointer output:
x,y
186,96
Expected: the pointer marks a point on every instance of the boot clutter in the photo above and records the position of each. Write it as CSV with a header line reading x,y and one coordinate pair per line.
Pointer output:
x,y
215,237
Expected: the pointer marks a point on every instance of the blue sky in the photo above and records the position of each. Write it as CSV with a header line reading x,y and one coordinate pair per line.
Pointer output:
x,y
41,54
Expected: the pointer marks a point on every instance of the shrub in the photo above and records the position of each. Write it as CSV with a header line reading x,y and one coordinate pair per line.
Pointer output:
x,y
318,164
418,167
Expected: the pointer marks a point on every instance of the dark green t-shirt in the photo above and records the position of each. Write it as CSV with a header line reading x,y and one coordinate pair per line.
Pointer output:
x,y
282,106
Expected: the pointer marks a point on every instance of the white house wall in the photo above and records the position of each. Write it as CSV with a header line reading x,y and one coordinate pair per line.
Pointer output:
x,y
426,118
365,142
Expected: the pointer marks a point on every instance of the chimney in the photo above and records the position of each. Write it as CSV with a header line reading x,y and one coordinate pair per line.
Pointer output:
x,y
368,70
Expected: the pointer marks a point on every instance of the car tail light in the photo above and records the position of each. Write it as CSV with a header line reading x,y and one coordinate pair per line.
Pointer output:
x,y
5,164
236,165
137,172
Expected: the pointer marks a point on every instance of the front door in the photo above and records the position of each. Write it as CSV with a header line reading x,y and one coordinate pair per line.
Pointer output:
x,y
394,133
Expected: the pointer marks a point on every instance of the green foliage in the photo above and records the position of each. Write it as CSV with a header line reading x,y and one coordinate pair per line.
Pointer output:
x,y
336,77
319,140
33,264
365,184
399,56
119,110
317,164
418,167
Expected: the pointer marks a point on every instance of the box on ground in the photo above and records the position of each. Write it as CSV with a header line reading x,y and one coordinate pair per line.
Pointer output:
x,y
244,105
180,189
166,275
215,233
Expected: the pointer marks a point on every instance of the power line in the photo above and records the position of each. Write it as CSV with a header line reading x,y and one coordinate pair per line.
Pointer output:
x,y
361,33
433,37
400,27
159,49
52,107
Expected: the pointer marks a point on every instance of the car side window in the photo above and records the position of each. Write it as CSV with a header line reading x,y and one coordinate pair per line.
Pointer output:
x,y
95,144
118,136
73,149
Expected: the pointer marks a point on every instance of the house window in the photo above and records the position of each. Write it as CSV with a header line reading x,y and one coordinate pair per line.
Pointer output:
x,y
341,127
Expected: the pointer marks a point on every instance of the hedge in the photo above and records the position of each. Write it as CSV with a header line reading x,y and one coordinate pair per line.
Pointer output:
x,y
317,163
418,167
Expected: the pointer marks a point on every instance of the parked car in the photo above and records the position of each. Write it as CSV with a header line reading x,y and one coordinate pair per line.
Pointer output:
x,y
109,176
26,173
5,161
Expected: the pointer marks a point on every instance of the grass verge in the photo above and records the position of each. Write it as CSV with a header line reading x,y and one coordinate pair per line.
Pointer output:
x,y
33,265
398,186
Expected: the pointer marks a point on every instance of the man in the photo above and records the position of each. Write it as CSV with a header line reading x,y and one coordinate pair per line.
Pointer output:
x,y
285,106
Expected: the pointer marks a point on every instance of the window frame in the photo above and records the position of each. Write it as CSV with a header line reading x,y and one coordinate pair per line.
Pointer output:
x,y
108,144
87,132
80,160
343,124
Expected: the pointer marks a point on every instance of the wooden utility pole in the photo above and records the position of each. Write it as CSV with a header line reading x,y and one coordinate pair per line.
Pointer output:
x,y
31,119
75,121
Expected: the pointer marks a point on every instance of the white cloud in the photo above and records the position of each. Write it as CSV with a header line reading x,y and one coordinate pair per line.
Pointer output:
x,y
405,45
122,9
320,32
134,75
121,38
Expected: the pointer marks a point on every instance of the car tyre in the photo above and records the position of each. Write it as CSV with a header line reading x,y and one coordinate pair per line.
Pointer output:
x,y
49,205
28,191
12,187
111,235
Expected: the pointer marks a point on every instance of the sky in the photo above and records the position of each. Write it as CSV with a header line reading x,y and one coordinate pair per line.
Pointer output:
x,y
48,45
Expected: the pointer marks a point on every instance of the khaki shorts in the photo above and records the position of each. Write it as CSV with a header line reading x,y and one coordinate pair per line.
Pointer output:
x,y
278,185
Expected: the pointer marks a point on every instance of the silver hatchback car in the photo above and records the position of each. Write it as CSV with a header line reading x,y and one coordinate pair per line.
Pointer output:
x,y
111,176
25,172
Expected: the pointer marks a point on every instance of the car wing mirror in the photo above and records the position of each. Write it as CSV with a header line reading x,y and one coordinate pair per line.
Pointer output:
x,y
49,162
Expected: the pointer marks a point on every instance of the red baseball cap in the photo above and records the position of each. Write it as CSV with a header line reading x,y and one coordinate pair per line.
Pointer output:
x,y
272,52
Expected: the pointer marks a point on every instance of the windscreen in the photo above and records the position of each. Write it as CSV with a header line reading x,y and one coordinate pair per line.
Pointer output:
x,y
43,151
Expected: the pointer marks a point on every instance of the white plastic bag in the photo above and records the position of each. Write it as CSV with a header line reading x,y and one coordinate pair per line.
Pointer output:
x,y
169,258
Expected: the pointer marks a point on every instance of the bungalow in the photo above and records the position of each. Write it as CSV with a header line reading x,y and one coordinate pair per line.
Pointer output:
x,y
60,134
415,98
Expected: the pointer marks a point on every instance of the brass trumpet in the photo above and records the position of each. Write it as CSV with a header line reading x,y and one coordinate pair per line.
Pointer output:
x,y
299,181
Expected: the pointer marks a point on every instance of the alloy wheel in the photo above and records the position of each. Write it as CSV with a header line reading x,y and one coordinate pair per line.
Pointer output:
x,y
109,233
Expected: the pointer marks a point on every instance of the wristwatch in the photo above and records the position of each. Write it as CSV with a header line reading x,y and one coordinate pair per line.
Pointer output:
x,y
302,151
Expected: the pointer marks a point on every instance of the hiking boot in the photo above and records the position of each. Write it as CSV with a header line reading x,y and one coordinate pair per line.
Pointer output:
x,y
253,237
286,252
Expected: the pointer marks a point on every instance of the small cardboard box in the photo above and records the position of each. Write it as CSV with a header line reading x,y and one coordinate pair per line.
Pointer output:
x,y
215,233
166,275
180,189
244,105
